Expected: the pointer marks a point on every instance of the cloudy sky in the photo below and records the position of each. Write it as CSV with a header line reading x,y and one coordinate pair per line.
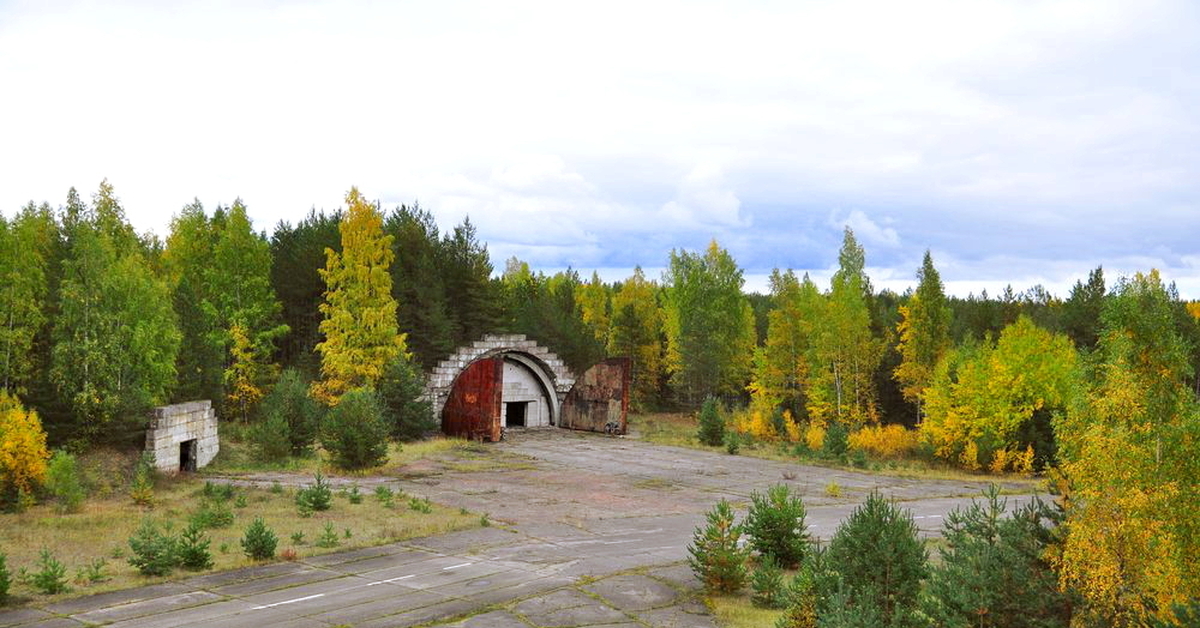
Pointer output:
x,y
1022,142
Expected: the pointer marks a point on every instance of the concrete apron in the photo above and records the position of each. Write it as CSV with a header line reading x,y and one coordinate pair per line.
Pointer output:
x,y
596,534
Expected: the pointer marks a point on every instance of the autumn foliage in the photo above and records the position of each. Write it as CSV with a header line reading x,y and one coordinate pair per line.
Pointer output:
x,y
23,452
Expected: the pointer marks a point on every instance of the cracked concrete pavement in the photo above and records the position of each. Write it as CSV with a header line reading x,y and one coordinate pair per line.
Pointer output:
x,y
594,533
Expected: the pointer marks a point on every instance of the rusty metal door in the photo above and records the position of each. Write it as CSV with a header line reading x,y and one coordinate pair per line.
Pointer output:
x,y
599,401
473,409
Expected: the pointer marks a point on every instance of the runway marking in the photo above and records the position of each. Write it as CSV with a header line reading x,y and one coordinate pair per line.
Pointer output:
x,y
371,584
456,566
299,599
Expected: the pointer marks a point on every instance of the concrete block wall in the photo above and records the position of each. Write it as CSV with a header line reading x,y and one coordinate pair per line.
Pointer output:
x,y
175,424
441,378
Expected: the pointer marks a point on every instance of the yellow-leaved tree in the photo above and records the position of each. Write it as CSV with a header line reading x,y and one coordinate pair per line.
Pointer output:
x,y
987,401
359,325
244,376
924,331
23,453
1128,447
634,332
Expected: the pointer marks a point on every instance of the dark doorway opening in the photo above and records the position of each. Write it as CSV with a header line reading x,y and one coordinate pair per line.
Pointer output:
x,y
187,455
514,413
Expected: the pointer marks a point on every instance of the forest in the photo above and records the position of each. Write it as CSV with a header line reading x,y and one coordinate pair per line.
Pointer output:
x,y
1097,390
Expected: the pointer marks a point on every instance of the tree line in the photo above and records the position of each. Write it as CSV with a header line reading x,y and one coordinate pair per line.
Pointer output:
x,y
98,323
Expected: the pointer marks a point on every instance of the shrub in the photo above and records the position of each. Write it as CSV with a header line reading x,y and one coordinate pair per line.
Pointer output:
x,y
884,441
259,541
712,427
776,527
289,400
221,492
270,436
814,437
23,451
51,576
92,572
328,537
767,584
354,496
62,480
5,579
714,554
733,443
154,552
420,505
993,571
316,497
213,513
835,443
355,432
193,549
142,491
400,388
880,561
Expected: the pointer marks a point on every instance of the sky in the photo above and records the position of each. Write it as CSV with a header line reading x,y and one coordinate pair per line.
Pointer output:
x,y
1022,143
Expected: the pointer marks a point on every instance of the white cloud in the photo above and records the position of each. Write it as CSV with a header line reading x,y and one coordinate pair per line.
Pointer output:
x,y
609,135
867,231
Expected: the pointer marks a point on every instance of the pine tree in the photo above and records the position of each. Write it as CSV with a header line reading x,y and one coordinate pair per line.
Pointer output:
x,y
361,334
880,561
714,554
419,284
298,255
993,571
924,334
188,259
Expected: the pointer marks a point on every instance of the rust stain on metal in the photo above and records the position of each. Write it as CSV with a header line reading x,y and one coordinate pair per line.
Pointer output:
x,y
599,401
473,409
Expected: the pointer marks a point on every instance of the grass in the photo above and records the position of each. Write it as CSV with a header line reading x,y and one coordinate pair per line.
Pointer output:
x,y
237,458
679,430
102,530
737,612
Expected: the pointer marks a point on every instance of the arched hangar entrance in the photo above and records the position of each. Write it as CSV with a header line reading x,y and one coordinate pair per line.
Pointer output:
x,y
509,381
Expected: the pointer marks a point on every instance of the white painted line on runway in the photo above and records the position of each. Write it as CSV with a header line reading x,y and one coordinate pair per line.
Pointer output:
x,y
299,599
371,584
620,542
456,566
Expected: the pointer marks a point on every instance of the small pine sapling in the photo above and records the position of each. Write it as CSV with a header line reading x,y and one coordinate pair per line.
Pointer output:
x,y
193,549
51,576
154,553
714,554
767,584
5,579
259,541
328,537
776,526
712,427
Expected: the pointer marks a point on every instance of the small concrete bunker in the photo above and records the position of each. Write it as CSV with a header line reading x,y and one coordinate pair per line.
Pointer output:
x,y
183,437
509,381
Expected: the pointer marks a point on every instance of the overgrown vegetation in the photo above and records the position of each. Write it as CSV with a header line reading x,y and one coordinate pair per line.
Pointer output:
x,y
994,570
